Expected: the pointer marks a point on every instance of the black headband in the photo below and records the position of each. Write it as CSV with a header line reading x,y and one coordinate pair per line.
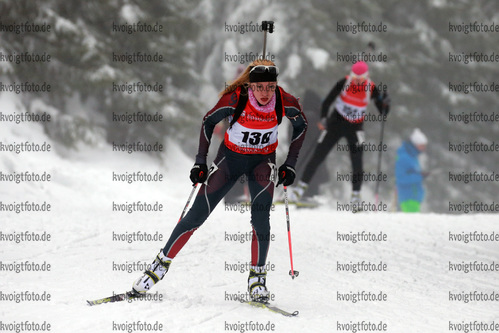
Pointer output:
x,y
262,73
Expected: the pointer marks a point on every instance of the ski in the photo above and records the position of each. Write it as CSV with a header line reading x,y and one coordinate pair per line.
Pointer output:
x,y
272,308
130,295
115,298
301,203
307,204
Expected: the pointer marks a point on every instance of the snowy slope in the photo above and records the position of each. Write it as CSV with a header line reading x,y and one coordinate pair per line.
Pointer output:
x,y
193,295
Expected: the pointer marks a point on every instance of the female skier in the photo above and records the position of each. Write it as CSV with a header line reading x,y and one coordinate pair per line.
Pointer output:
x,y
254,104
351,96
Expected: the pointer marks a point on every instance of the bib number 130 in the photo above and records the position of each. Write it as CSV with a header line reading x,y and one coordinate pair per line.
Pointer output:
x,y
256,138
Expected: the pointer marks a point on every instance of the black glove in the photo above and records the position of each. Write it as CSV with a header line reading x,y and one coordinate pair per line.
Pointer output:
x,y
386,101
286,175
199,173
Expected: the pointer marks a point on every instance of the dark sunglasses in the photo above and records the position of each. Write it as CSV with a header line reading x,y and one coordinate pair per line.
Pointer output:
x,y
260,69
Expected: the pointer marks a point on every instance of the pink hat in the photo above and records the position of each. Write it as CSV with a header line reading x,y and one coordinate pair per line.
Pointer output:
x,y
360,68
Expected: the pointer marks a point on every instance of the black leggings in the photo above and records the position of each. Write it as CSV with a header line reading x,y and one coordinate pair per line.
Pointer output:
x,y
337,128
226,169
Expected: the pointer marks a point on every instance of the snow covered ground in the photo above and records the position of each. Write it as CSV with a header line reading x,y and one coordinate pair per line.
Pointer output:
x,y
423,268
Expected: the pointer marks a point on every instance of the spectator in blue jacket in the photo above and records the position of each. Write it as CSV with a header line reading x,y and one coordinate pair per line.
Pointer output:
x,y
408,174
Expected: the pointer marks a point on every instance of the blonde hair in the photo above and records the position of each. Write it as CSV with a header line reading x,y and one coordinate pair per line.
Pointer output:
x,y
243,79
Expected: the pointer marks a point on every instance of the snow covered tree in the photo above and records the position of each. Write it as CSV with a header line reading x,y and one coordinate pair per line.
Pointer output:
x,y
90,43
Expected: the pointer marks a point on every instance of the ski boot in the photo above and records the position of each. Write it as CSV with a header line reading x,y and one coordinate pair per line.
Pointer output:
x,y
296,192
256,284
355,202
153,275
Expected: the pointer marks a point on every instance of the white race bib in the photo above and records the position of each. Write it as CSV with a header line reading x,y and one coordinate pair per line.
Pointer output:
x,y
350,112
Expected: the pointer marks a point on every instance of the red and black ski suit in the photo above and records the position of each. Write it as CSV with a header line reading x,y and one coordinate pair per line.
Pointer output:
x,y
248,149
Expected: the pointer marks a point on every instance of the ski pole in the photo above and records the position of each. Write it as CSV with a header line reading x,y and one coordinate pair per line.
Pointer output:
x,y
379,161
309,152
372,47
188,201
292,272
266,26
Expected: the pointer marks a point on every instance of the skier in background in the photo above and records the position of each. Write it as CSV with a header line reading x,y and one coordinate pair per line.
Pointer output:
x,y
352,95
408,174
254,104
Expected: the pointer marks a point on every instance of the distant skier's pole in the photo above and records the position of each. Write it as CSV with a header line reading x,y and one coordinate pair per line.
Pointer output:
x,y
266,26
292,272
379,160
372,47
188,201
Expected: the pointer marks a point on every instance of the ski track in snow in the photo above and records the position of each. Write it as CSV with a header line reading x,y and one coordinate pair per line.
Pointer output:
x,y
194,293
